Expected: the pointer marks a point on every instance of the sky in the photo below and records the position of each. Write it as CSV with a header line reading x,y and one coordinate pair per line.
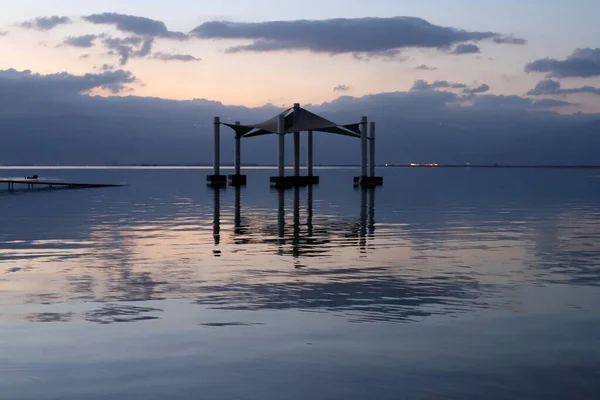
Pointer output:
x,y
552,29
541,56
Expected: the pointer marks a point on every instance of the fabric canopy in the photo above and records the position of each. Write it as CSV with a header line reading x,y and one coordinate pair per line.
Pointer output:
x,y
299,120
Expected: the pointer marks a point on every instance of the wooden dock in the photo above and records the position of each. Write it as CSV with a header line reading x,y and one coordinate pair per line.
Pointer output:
x,y
50,184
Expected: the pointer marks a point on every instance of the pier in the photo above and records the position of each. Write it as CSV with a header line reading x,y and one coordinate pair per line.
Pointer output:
x,y
50,184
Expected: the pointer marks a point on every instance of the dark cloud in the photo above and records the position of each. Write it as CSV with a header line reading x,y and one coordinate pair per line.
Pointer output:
x,y
509,40
341,88
136,25
50,111
84,56
130,47
80,41
16,84
335,36
466,49
3,33
422,85
387,55
479,89
515,102
424,67
549,87
583,63
107,67
550,103
175,57
45,23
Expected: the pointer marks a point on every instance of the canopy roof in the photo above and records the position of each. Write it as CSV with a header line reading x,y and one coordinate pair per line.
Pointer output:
x,y
296,120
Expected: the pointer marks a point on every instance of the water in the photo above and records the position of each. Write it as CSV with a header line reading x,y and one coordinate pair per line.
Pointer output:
x,y
445,283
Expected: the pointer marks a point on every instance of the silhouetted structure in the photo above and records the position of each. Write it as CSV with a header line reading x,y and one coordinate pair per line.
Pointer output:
x,y
296,120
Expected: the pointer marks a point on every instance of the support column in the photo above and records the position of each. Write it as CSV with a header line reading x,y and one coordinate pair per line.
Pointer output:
x,y
367,145
281,135
372,150
310,153
281,181
296,144
238,156
216,179
217,147
296,154
237,179
363,147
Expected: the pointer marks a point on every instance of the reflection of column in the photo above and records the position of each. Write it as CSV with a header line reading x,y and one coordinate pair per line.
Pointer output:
x,y
237,221
362,240
217,220
296,241
371,224
309,210
281,215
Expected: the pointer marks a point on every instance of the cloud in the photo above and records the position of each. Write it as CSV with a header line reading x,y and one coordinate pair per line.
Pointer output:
x,y
582,63
551,87
424,67
23,83
3,33
479,89
336,36
50,110
126,48
550,103
466,49
175,57
107,67
509,40
422,85
341,88
516,102
80,41
136,25
45,23
84,56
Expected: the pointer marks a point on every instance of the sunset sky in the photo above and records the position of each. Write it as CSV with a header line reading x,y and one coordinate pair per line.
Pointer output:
x,y
302,63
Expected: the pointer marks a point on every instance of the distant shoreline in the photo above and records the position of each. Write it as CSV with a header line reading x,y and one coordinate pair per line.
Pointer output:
x,y
203,166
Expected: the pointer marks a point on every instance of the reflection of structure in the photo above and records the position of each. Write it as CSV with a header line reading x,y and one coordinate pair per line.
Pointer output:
x,y
296,120
303,237
217,220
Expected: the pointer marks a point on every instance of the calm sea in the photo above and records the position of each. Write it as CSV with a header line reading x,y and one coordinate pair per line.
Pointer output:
x,y
442,284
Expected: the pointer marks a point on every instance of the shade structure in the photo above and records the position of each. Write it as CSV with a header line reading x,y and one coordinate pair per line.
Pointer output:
x,y
299,120
295,120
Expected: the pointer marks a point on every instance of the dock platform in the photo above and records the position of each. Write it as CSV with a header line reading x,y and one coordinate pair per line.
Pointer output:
x,y
31,183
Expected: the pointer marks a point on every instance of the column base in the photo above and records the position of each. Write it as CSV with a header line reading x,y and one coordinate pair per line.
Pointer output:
x,y
237,180
282,182
368,181
216,180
